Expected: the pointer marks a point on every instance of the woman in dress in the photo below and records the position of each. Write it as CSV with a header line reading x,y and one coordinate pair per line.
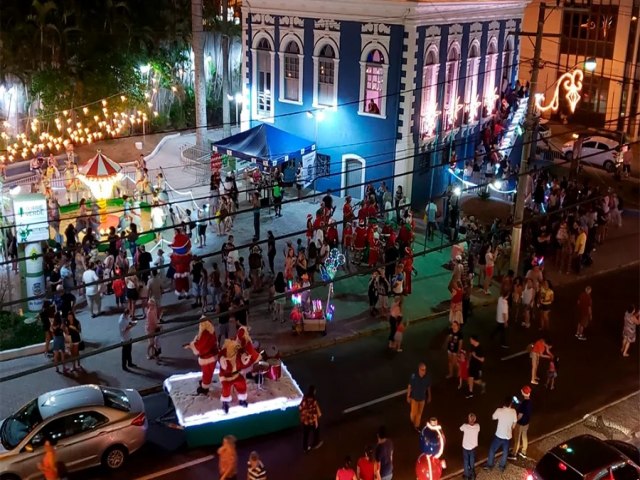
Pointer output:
x,y
631,322
289,264
74,329
131,282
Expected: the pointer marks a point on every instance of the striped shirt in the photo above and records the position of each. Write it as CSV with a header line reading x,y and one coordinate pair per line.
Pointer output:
x,y
257,473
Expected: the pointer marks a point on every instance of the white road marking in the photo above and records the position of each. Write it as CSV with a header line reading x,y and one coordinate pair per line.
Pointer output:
x,y
515,355
374,401
176,468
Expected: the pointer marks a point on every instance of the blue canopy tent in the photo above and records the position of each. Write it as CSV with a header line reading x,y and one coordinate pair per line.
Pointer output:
x,y
267,147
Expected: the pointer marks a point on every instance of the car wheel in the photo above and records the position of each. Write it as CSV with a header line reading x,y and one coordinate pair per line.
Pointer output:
x,y
9,476
609,166
114,457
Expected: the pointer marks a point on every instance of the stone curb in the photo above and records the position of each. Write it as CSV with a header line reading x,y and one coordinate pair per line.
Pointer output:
x,y
161,143
458,473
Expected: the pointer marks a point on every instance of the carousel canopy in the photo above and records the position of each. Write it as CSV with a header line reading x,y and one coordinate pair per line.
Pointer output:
x,y
101,166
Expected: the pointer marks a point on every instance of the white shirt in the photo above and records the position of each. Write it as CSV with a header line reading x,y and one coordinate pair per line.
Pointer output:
x,y
488,257
470,435
527,296
506,418
90,276
502,310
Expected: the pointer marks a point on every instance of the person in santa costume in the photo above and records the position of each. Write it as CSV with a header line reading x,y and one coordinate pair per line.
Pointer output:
x,y
247,350
332,234
363,211
205,346
408,269
430,465
373,239
180,262
232,362
360,241
405,235
347,210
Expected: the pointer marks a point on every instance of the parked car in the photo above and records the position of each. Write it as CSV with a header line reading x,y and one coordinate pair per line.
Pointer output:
x,y
588,458
598,151
89,425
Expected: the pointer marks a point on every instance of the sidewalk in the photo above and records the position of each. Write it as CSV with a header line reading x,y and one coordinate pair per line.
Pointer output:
x,y
617,421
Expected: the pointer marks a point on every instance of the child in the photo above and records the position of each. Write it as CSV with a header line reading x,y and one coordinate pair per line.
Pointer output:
x,y
463,368
552,373
120,291
397,338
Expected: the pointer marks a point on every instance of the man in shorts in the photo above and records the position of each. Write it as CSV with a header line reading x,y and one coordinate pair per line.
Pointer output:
x,y
476,360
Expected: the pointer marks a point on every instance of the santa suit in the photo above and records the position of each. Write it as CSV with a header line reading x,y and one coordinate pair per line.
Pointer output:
x,y
347,236
332,235
408,270
363,213
361,238
231,372
373,246
347,212
248,354
181,261
205,346
309,229
404,235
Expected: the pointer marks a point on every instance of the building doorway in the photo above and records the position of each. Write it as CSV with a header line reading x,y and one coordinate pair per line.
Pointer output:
x,y
353,168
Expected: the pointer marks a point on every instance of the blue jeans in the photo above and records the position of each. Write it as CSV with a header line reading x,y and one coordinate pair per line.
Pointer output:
x,y
469,461
496,444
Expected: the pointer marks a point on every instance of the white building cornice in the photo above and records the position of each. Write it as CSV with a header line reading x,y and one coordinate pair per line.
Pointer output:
x,y
397,12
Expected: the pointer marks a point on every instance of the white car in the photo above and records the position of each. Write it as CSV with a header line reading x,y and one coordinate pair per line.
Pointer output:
x,y
597,151
89,425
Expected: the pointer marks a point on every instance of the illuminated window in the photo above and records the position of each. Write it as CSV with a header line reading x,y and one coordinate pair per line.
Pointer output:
x,y
429,108
373,78
326,77
471,100
291,73
491,65
263,78
451,103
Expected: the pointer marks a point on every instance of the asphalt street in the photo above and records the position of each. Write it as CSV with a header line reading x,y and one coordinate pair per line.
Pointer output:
x,y
591,374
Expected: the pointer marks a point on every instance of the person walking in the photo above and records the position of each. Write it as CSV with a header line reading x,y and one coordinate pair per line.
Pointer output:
x,y
255,467
523,411
502,320
585,312
528,297
507,419
395,317
228,459
74,329
431,212
470,431
540,349
57,332
125,325
418,392
271,251
255,205
631,322
383,456
346,472
546,297
365,468
309,417
488,269
476,361
454,346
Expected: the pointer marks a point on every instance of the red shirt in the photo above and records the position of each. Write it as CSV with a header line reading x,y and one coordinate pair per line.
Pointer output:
x,y
118,287
584,303
366,468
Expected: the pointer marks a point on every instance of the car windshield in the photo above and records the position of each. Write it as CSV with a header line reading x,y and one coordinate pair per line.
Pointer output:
x,y
16,427
115,398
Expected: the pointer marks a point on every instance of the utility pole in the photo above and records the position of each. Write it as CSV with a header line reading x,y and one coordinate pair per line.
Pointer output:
x,y
530,122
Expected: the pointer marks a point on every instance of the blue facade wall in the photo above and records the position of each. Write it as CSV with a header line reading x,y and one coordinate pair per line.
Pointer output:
x,y
344,132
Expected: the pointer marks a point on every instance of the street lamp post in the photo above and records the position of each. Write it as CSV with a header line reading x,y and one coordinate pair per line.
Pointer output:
x,y
237,99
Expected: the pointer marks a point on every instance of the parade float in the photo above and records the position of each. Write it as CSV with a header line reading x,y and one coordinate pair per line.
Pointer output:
x,y
204,401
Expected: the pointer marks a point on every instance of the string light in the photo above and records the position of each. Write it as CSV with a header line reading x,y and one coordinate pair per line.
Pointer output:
x,y
429,119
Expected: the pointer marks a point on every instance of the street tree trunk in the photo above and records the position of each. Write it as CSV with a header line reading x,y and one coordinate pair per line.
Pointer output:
x,y
200,88
226,80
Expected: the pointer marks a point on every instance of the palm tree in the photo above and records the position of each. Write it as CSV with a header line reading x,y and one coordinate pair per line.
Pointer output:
x,y
41,19
200,90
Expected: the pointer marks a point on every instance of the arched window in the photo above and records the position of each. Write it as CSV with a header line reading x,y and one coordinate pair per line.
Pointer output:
x,y
507,63
373,79
471,97
491,65
291,71
451,87
429,105
326,91
263,71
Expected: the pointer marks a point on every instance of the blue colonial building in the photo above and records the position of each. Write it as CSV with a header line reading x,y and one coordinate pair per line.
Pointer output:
x,y
387,89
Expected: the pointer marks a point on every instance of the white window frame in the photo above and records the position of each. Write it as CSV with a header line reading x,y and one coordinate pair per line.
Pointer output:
x,y
507,59
362,108
316,72
429,101
490,73
451,85
471,85
257,113
284,43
